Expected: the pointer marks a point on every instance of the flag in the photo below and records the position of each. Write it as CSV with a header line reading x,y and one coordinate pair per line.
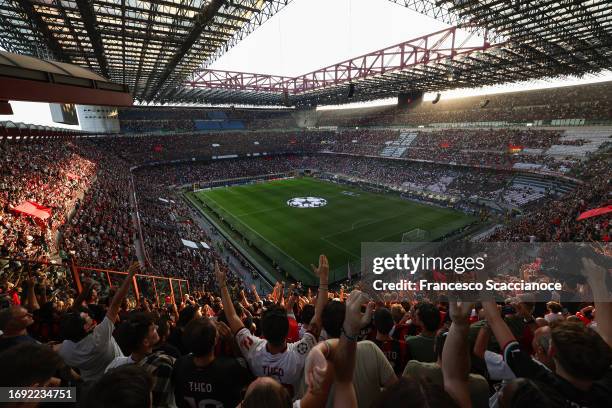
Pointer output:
x,y
594,213
515,148
195,245
33,209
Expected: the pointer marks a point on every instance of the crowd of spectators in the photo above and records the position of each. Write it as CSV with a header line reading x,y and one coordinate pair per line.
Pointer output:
x,y
165,119
590,102
225,346
556,219
101,227
142,149
50,174
487,140
493,148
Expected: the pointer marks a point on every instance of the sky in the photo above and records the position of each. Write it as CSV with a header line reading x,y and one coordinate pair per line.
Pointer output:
x,y
311,34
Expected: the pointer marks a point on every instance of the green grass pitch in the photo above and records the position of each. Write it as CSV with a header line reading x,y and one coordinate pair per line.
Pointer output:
x,y
294,237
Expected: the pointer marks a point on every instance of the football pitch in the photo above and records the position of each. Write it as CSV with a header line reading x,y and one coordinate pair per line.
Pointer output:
x,y
294,236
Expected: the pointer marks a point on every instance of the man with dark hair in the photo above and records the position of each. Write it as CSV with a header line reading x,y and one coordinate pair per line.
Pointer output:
x,y
275,325
305,317
14,322
421,346
29,365
396,351
163,330
186,315
333,317
273,356
90,347
139,332
582,358
200,378
128,386
137,335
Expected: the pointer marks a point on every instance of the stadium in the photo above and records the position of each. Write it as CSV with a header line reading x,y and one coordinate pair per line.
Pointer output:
x,y
192,194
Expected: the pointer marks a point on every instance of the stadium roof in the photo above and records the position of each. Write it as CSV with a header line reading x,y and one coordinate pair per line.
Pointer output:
x,y
520,40
160,48
149,45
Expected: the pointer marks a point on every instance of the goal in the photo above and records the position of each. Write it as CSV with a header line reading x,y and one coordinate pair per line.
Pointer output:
x,y
415,235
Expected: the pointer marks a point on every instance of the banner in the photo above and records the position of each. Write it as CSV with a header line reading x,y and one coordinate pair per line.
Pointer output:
x,y
195,245
33,209
594,213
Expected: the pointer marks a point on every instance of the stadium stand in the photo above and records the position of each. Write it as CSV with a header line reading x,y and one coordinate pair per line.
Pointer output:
x,y
117,290
588,103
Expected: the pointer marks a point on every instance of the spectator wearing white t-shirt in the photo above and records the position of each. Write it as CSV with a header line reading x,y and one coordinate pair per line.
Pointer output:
x,y
273,356
90,347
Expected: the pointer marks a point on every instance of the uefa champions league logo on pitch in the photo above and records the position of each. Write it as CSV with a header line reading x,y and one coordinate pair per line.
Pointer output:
x,y
307,202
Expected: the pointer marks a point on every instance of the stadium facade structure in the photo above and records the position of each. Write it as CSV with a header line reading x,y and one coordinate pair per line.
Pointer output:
x,y
161,49
149,45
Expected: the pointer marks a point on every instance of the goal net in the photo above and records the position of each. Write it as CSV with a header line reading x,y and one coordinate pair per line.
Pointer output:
x,y
415,235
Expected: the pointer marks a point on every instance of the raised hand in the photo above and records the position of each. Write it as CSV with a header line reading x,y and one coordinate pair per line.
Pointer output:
x,y
460,311
322,271
220,275
594,273
354,319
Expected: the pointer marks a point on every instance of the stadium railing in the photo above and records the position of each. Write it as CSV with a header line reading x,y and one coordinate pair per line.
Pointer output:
x,y
153,287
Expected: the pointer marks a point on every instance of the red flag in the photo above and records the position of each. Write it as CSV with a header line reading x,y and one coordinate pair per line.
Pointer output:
x,y
33,209
594,213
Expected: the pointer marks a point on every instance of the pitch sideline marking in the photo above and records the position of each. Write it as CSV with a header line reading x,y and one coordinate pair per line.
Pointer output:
x,y
265,239
260,211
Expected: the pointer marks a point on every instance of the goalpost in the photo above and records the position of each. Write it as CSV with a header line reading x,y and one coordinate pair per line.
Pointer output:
x,y
415,235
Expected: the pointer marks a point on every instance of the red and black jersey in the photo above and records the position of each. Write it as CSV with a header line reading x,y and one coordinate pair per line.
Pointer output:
x,y
397,353
403,331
